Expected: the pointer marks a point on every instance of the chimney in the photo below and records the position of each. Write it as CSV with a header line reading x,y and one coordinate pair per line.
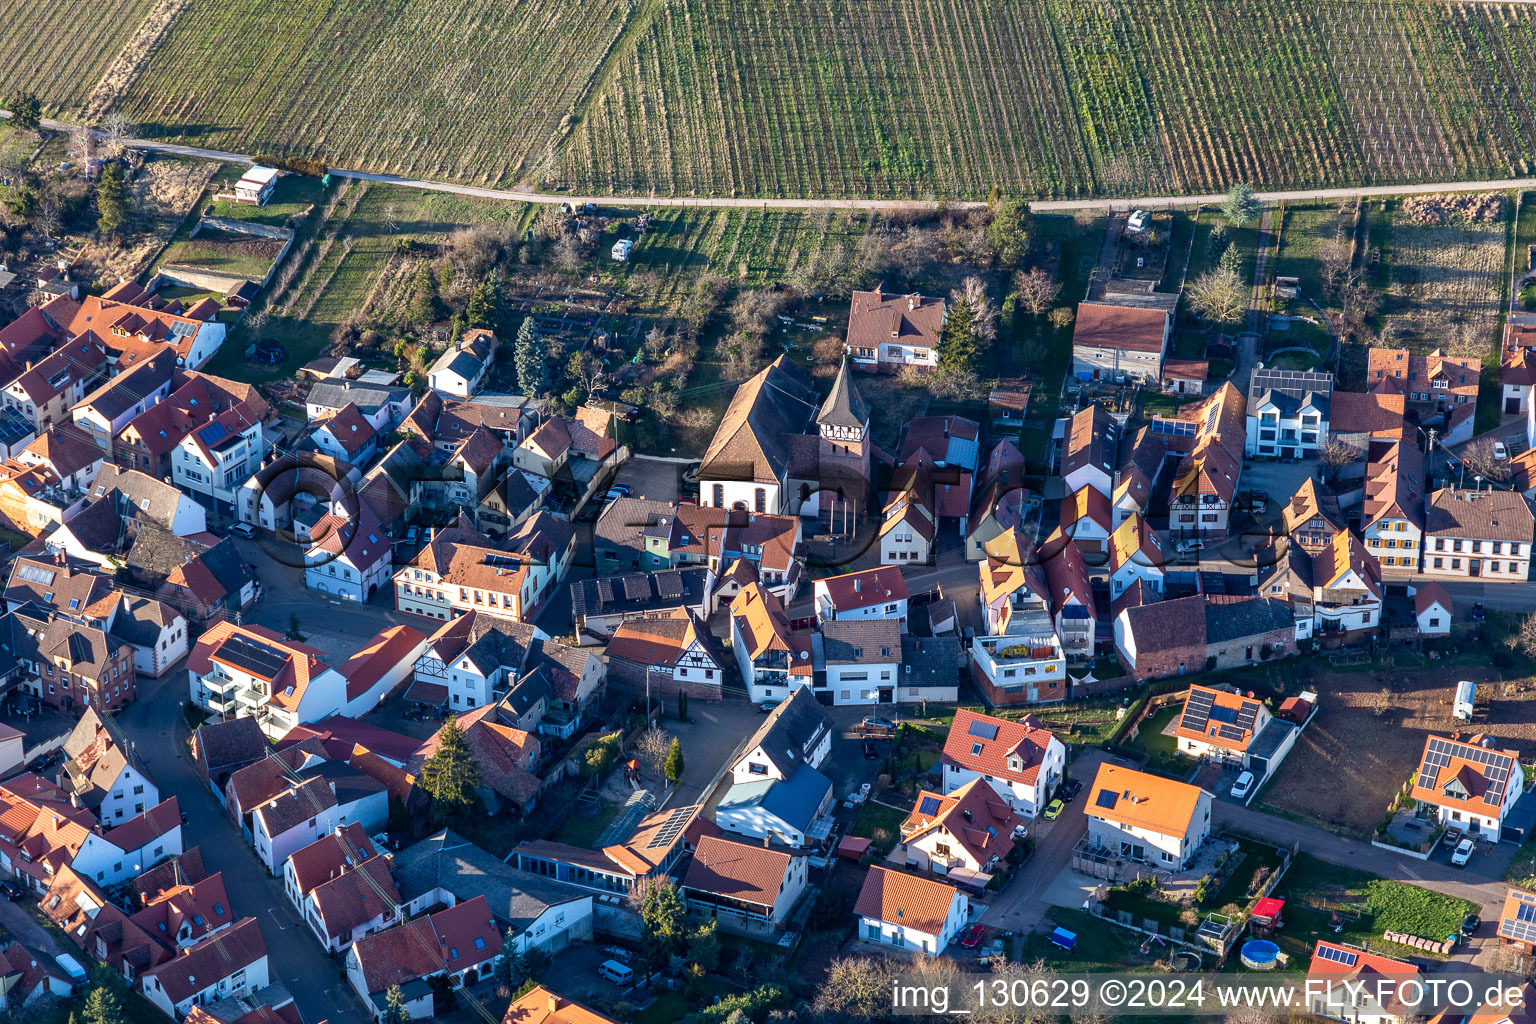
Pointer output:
x,y
911,302
554,1003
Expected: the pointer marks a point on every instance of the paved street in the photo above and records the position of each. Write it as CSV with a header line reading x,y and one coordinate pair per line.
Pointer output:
x,y
155,725
1019,907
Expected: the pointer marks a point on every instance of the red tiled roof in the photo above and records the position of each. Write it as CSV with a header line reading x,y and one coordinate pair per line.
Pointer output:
x,y
913,901
865,587
378,656
211,960
739,871
324,858
138,832
1025,741
1125,328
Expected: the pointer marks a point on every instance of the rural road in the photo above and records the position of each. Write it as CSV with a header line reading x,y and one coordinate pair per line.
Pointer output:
x,y
1038,206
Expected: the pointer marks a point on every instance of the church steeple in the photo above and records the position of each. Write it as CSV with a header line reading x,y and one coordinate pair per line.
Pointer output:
x,y
844,415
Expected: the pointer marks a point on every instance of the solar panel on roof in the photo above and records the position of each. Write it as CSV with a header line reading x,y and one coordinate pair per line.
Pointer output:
x,y
930,805
256,658
670,828
1107,798
1526,912
1222,713
1246,715
213,433
1197,711
984,730
1173,428
1336,955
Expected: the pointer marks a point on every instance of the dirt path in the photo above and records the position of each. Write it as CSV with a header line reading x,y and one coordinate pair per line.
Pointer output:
x,y
1039,206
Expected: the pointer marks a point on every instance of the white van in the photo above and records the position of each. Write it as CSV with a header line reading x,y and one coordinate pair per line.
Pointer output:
x,y
619,974
245,530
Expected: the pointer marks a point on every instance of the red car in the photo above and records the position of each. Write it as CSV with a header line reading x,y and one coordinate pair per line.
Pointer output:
x,y
971,937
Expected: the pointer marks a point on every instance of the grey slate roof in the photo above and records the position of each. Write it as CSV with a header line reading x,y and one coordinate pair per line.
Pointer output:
x,y
844,406
930,661
861,641
368,398
449,861
621,528
1230,618
140,495
792,731
638,592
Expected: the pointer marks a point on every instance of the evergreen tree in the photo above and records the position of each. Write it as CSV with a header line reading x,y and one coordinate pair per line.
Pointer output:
x,y
1241,205
111,200
395,1010
1008,234
26,112
102,1006
958,347
674,766
528,358
450,775
664,919
481,310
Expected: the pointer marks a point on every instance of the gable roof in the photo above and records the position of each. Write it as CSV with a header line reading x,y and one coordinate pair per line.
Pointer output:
x,y
376,658
1394,484
749,443
211,960
1218,717
739,871
326,857
541,1006
973,815
449,861
792,732
661,642
1003,749
1430,594
1309,503
1482,515
234,742
1128,797
1123,328
865,587
450,940
1091,441
911,901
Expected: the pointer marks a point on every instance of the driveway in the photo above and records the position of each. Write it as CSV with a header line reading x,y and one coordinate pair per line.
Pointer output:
x,y
155,725
1021,906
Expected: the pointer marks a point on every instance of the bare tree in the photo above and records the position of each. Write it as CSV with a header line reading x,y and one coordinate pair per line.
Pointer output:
x,y
1335,455
389,218
1036,290
1523,639
855,987
973,291
1061,317
1480,458
1359,301
1218,296
116,129
1336,257
651,749
568,258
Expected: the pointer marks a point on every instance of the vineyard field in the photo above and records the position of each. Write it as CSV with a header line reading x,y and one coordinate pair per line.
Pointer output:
x,y
823,98
60,48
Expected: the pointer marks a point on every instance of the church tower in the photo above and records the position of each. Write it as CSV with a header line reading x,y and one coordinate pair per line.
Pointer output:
x,y
843,423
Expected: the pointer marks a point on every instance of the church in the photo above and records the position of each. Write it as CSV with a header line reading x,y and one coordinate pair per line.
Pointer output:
x,y
782,449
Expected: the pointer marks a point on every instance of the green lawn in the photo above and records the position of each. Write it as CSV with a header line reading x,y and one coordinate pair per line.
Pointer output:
x,y
292,196
1522,870
1377,904
1305,230
1162,751
875,817
1153,404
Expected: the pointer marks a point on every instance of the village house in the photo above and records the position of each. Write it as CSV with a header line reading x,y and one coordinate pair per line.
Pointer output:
x,y
1432,610
70,663
1147,818
1517,921
329,795
1287,415
1517,363
790,811
1136,556
600,606
773,660
109,408
506,756
1087,520
1347,982
856,662
1203,632
1312,517
224,747
657,843
1089,443
909,912
743,887
186,911
66,452
1206,479
1001,501
131,848
541,1006
887,331
1478,534
473,660
1392,520
461,943
459,571
102,772
962,835
1470,785
383,407
463,366
324,859
99,927
345,434
1120,343
1022,761
251,671
227,964
46,391
552,447
865,594
1438,390
358,902
666,657
1335,590
1233,729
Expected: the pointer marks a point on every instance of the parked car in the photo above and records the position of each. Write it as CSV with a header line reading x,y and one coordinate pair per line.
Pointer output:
x,y
1469,924
1069,789
1053,810
871,750
691,472
616,492
12,890
1499,451
1020,833
1243,785
1477,612
1189,547
971,937
876,722
245,530
1463,853
767,706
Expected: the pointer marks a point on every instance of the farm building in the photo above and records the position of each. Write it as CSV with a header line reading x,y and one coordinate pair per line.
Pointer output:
x,y
256,186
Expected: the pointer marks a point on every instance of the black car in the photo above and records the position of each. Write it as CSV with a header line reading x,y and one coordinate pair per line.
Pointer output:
x,y
1070,789
1469,925
13,892
1477,612
871,750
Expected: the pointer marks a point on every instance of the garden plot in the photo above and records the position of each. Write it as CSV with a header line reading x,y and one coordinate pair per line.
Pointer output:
x,y
1447,278
164,191
224,253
